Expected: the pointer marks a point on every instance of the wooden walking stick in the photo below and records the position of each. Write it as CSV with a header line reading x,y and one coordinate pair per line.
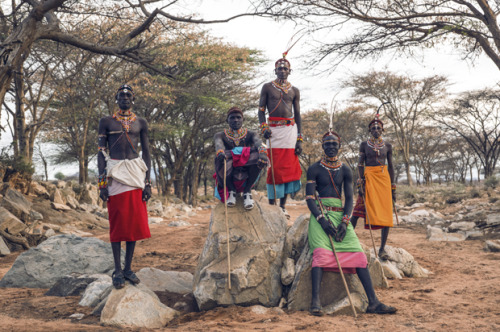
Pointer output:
x,y
368,219
395,212
272,169
336,258
227,230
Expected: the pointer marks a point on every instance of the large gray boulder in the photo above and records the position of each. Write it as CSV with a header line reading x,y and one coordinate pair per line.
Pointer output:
x,y
71,285
136,306
333,290
17,204
401,263
256,239
44,265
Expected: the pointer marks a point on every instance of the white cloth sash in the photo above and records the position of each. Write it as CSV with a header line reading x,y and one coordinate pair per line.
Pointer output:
x,y
131,172
283,137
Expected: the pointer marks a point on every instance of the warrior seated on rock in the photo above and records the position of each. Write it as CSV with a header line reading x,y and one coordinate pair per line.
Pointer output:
x,y
244,155
327,176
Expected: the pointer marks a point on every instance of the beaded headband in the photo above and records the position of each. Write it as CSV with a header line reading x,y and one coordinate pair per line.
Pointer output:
x,y
125,88
331,135
374,121
282,62
234,110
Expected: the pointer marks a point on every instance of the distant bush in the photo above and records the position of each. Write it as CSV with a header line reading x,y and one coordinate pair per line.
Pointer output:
x,y
60,176
491,182
474,193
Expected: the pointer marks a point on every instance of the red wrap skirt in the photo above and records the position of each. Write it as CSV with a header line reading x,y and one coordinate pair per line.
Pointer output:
x,y
128,217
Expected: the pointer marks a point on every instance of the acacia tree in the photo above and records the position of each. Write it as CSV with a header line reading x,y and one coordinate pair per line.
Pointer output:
x,y
398,25
26,22
428,150
475,117
410,100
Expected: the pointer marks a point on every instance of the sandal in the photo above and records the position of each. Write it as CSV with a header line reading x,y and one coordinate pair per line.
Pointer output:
x,y
383,255
118,280
130,276
381,309
316,311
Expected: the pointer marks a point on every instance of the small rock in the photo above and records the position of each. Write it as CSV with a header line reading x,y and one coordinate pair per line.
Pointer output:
x,y
4,250
36,215
288,271
179,223
492,245
77,316
94,292
155,220
493,219
60,207
462,226
50,232
259,310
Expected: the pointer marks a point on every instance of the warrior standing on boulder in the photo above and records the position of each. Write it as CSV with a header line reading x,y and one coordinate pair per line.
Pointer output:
x,y
377,190
327,176
283,132
245,157
124,180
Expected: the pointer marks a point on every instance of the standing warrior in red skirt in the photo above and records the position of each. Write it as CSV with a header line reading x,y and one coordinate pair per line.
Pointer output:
x,y
283,132
124,180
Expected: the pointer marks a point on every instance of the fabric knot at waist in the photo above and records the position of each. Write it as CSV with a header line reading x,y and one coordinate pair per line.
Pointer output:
x,y
284,122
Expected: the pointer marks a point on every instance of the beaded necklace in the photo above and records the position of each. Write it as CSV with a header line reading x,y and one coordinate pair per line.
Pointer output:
x,y
376,144
125,119
330,163
235,136
282,85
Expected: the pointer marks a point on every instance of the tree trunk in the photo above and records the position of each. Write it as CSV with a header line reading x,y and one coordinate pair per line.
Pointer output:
x,y
20,119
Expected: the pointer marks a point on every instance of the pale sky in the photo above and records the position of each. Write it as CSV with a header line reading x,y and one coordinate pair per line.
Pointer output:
x,y
272,38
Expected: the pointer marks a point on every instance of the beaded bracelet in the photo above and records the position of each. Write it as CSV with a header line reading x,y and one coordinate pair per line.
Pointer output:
x,y
300,138
219,152
103,181
262,109
310,197
393,186
320,216
262,149
148,183
346,219
264,127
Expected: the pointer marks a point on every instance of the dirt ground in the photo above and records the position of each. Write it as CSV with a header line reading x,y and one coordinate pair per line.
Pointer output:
x,y
461,294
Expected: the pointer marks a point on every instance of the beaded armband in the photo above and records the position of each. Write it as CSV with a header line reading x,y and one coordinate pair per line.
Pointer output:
x,y
103,181
262,149
346,219
393,186
262,109
148,183
311,181
263,127
300,138
320,216
101,149
219,152
310,197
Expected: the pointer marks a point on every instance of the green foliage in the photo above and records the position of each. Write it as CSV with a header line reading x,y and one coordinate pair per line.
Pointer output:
x,y
60,176
491,182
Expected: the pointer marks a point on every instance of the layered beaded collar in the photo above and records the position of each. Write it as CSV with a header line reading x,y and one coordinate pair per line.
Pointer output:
x,y
282,85
125,119
331,163
376,143
236,136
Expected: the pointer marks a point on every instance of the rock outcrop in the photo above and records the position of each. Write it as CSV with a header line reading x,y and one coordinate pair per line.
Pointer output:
x,y
256,240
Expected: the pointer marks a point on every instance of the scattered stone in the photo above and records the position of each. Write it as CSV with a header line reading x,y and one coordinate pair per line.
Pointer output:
x,y
10,223
492,245
60,207
420,214
4,250
256,239
136,306
77,316
17,204
437,234
462,226
39,190
417,205
50,232
94,292
60,255
71,285
171,281
474,234
72,202
155,220
179,223
35,215
259,310
406,264
57,197
391,271
155,208
287,271
493,219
